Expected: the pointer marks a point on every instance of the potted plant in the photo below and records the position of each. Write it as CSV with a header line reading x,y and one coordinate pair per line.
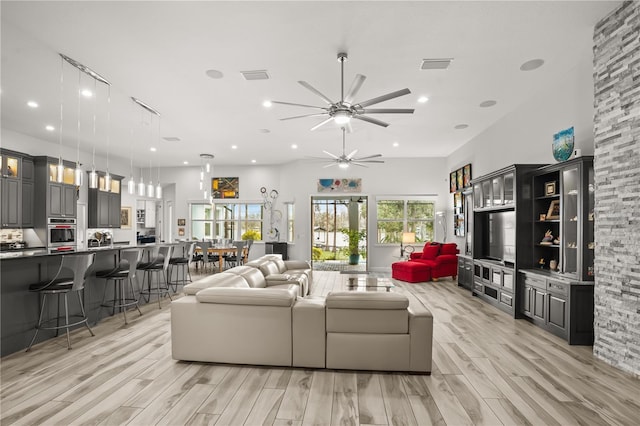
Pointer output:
x,y
354,236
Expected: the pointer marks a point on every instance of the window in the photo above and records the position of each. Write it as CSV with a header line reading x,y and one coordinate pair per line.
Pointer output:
x,y
226,220
396,216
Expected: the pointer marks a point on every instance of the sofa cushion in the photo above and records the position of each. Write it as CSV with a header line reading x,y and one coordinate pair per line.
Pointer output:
x,y
268,268
430,263
253,276
449,248
247,296
218,280
366,300
430,252
447,258
280,277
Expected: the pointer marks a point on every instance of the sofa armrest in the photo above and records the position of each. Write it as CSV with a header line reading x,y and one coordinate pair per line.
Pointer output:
x,y
279,278
309,333
421,338
297,264
415,255
447,258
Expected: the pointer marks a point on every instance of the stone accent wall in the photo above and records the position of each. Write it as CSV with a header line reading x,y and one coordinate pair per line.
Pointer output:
x,y
617,182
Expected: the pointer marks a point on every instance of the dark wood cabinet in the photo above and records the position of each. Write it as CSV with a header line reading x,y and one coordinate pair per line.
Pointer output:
x,y
27,204
11,196
104,203
465,272
53,199
62,200
16,190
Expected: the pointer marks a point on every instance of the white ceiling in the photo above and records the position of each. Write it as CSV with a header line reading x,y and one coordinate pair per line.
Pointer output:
x,y
159,52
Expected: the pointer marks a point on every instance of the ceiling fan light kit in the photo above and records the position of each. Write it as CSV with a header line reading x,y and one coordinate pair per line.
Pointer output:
x,y
345,109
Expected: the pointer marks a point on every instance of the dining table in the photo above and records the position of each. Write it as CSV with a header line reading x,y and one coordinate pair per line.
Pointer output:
x,y
220,251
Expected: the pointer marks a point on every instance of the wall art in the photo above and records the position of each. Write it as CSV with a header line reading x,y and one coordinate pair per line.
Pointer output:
x,y
340,185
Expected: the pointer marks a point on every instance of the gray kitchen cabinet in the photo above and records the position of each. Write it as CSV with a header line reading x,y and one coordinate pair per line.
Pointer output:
x,y
104,203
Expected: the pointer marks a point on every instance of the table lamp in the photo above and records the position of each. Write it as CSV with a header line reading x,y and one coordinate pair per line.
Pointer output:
x,y
407,238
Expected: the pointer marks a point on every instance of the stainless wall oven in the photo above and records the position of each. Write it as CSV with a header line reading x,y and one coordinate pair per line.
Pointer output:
x,y
61,234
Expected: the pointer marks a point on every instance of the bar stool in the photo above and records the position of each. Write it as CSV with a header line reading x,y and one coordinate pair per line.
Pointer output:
x,y
158,266
78,265
183,264
125,271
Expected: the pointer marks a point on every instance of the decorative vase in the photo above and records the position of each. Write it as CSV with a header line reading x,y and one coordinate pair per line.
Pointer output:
x,y
354,259
553,264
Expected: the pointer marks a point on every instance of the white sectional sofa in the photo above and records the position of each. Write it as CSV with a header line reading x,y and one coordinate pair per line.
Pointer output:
x,y
236,317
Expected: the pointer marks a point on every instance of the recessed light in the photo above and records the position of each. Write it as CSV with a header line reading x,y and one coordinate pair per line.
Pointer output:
x,y
264,131
532,65
153,149
253,161
214,74
294,146
32,104
50,128
487,104
185,162
267,104
396,144
461,126
423,99
234,146
86,93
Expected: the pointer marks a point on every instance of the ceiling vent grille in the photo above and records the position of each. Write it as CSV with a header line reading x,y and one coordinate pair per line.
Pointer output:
x,y
435,64
255,75
172,139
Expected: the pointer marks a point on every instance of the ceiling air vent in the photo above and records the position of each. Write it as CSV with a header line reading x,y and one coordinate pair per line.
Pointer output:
x,y
435,64
172,139
255,75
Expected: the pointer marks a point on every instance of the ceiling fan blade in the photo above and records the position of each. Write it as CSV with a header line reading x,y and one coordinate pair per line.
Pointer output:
x,y
355,86
316,91
371,120
331,155
329,165
352,154
369,161
321,124
367,157
388,111
383,98
292,104
301,116
358,164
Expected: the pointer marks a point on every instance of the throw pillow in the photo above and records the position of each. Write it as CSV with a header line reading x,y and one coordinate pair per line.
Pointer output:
x,y
430,252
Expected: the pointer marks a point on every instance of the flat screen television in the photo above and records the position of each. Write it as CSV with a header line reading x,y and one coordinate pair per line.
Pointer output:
x,y
502,236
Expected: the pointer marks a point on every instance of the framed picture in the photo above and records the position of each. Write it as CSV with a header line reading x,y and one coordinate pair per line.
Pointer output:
x,y
180,232
550,188
453,182
225,187
182,222
125,217
460,179
466,176
554,210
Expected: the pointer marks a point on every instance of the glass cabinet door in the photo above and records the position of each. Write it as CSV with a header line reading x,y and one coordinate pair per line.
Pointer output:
x,y
570,236
496,184
508,188
477,196
589,232
10,166
486,193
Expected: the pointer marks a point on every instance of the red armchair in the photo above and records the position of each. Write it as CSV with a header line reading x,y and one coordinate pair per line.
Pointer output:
x,y
440,257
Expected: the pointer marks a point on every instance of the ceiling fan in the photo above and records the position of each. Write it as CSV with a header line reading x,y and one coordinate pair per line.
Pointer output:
x,y
344,161
345,109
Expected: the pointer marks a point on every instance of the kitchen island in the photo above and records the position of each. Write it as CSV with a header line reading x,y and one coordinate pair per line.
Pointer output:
x,y
20,307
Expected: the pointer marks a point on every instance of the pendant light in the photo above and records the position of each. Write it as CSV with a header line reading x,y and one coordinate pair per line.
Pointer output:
x,y
78,175
151,190
93,175
107,176
60,166
158,187
131,184
205,164
141,186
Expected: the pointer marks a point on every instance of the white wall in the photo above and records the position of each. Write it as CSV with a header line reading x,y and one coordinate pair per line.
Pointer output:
x,y
525,135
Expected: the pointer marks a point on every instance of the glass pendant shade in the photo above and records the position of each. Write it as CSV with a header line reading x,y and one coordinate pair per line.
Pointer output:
x,y
201,175
107,182
141,187
78,176
208,168
93,178
201,185
59,171
158,191
131,186
151,190
206,195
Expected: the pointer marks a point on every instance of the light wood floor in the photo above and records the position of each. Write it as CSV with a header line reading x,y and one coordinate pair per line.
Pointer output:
x,y
488,369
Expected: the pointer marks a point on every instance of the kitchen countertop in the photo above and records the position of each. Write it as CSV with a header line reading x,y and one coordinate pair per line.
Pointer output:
x,y
31,252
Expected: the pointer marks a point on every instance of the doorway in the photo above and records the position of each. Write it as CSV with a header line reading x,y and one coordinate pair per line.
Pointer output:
x,y
339,233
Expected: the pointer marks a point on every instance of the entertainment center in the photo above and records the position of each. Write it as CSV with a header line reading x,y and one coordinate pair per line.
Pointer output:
x,y
533,244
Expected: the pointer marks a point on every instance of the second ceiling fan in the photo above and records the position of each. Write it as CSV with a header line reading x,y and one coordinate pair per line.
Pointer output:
x,y
345,109
344,161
